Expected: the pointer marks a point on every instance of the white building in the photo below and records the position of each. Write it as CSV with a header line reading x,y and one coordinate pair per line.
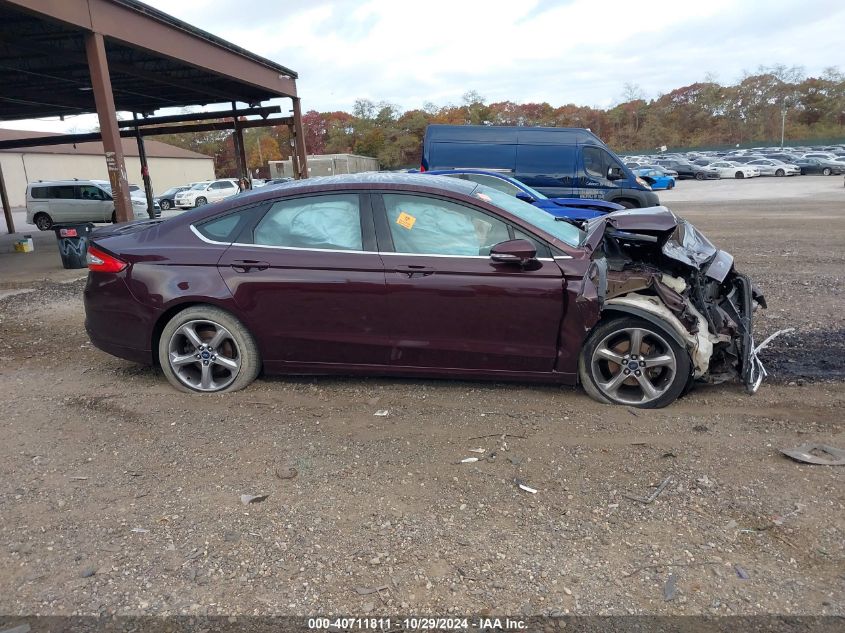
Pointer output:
x,y
169,165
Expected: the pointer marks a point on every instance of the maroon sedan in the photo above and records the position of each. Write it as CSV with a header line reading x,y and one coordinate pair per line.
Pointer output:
x,y
421,276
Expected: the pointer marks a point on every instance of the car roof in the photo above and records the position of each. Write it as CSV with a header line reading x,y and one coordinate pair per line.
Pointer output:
x,y
470,170
67,181
379,178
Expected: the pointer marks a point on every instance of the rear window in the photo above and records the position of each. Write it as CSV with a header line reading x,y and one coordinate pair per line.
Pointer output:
x,y
227,228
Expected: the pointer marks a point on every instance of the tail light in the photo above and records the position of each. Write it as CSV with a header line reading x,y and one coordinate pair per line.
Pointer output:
x,y
100,262
422,169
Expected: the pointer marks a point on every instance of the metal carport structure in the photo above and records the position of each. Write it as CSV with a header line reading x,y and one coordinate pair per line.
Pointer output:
x,y
69,57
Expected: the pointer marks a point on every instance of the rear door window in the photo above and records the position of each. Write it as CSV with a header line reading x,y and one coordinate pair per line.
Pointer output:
x,y
229,227
331,222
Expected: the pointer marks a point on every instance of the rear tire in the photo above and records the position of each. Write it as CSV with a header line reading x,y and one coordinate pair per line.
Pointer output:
x,y
204,349
43,221
636,345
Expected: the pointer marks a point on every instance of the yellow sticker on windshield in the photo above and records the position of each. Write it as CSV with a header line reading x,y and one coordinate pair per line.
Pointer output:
x,y
406,220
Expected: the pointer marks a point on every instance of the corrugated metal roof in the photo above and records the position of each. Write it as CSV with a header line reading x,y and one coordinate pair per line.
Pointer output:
x,y
155,149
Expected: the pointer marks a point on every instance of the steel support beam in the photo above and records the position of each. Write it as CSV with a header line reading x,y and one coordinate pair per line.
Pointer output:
x,y
240,152
263,112
145,170
93,137
294,159
299,142
4,200
98,66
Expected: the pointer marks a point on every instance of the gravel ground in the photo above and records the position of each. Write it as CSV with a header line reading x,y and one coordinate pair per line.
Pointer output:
x,y
121,496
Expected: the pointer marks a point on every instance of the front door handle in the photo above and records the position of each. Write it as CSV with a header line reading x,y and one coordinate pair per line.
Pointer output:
x,y
415,270
247,265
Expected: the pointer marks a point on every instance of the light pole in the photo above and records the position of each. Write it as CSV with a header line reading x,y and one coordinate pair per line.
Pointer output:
x,y
782,124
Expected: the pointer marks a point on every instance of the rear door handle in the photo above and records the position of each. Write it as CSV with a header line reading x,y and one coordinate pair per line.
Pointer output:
x,y
246,265
414,270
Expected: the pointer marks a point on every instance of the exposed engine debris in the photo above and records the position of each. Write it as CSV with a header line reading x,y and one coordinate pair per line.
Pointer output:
x,y
655,265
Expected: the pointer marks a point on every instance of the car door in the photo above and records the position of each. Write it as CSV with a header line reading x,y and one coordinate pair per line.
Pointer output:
x,y
65,205
450,305
97,208
548,168
593,181
308,279
224,189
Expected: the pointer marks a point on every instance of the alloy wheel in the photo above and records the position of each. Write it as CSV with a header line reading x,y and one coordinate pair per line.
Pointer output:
x,y
204,355
633,366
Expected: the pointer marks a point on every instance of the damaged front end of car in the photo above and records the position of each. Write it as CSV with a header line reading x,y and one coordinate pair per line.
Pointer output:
x,y
655,265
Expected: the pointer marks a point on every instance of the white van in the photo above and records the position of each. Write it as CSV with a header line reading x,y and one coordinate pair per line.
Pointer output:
x,y
50,202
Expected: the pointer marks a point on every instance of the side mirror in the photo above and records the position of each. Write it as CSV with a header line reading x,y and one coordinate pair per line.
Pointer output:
x,y
513,252
614,173
525,197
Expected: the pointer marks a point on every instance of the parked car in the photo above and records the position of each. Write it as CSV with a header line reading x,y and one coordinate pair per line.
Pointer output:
x,y
822,155
412,275
785,157
820,166
688,170
663,170
572,208
557,162
656,179
207,191
774,167
167,199
733,169
50,202
137,193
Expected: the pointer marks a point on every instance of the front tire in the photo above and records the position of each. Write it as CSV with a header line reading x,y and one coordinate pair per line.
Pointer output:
x,y
827,171
205,349
632,362
699,176
779,173
200,202
43,221
164,204
739,174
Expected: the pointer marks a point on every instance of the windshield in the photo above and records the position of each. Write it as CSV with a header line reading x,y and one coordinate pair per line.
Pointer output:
x,y
199,186
563,231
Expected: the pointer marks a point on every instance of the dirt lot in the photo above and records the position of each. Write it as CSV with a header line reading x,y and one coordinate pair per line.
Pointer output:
x,y
119,495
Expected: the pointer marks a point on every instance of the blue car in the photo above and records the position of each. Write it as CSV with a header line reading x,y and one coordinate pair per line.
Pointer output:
x,y
656,179
569,208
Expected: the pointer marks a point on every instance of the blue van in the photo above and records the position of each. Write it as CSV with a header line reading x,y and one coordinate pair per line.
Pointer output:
x,y
560,162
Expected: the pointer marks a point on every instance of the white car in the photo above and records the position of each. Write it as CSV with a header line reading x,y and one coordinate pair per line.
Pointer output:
x,y
206,192
730,169
774,167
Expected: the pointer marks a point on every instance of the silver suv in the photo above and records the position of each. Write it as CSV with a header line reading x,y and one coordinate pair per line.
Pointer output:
x,y
50,202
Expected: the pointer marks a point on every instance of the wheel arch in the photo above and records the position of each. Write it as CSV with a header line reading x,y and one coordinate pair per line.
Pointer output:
x,y
613,311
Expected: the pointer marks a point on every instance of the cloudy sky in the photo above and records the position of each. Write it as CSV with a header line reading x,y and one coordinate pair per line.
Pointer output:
x,y
558,51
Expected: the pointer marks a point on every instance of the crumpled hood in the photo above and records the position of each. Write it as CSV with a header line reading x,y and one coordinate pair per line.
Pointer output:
x,y
677,238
